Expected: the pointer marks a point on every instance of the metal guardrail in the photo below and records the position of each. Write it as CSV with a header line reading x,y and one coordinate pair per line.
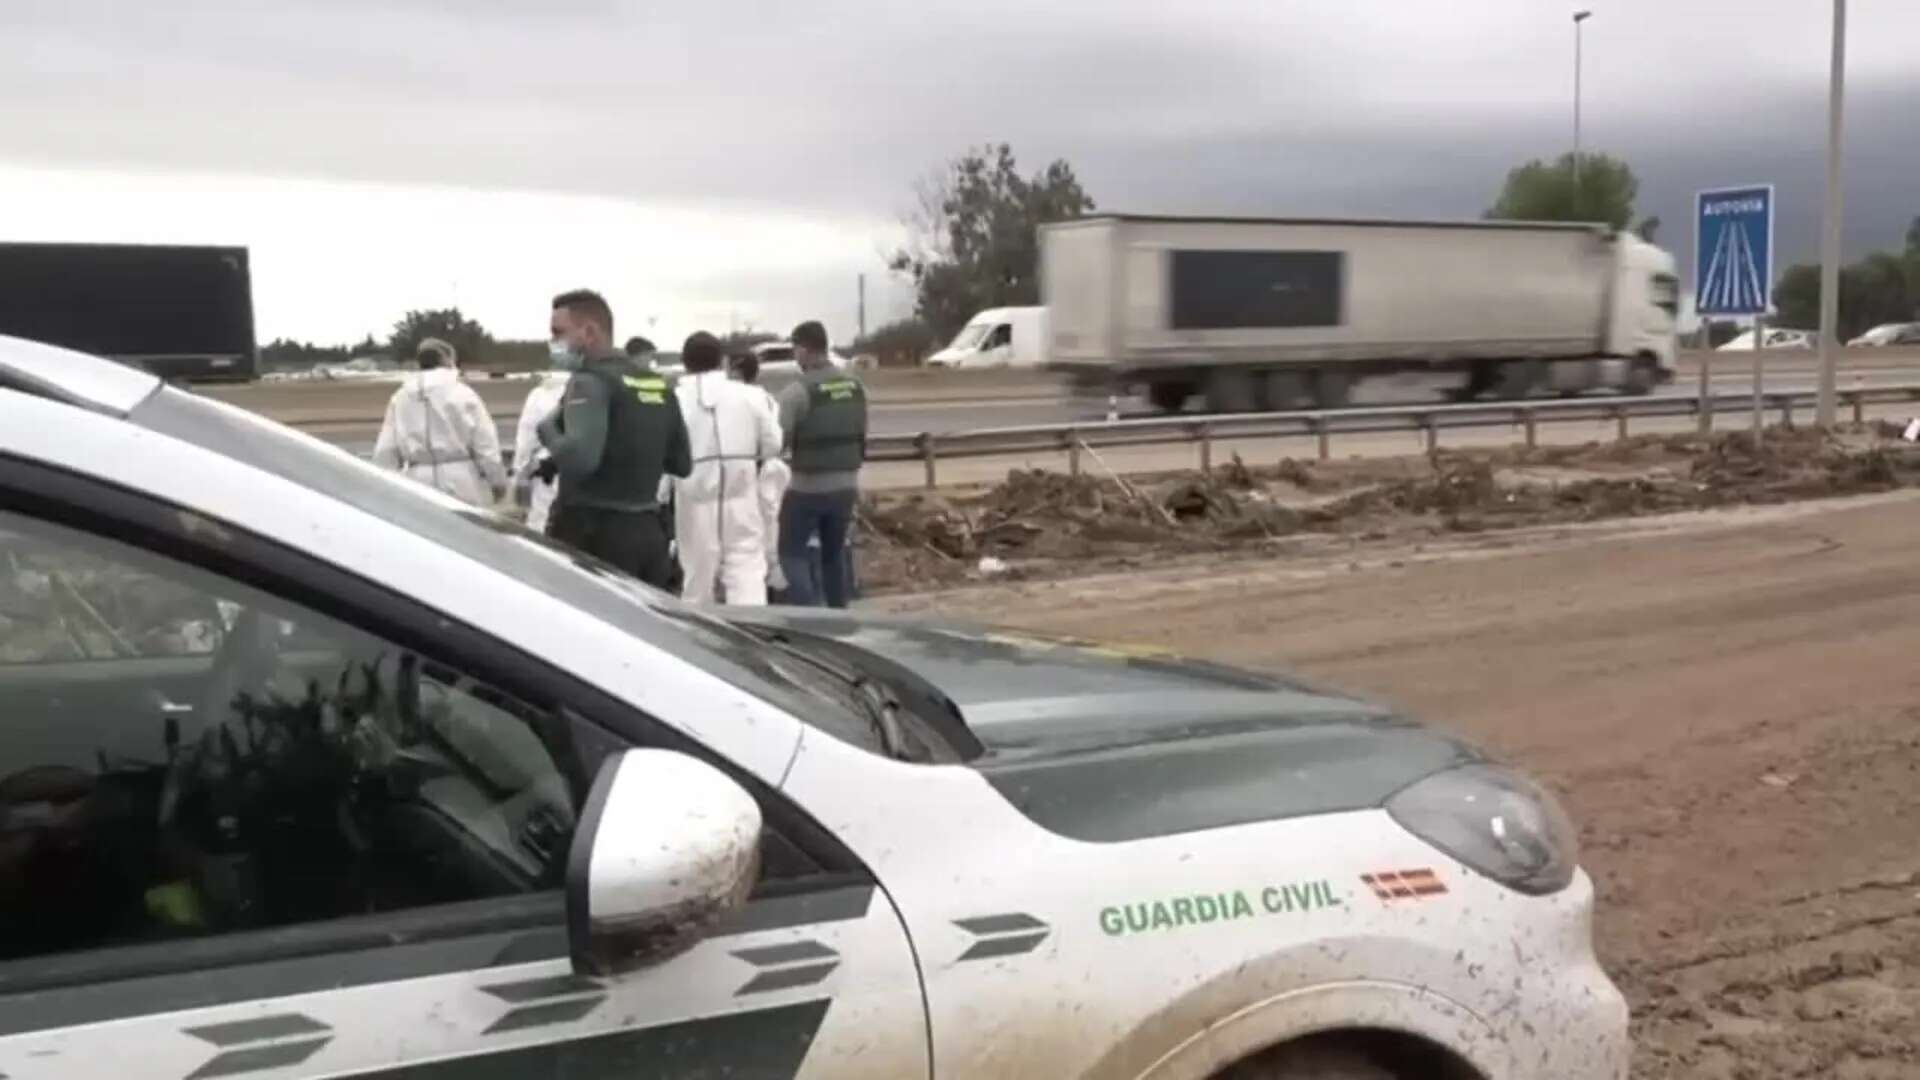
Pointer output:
x,y
930,447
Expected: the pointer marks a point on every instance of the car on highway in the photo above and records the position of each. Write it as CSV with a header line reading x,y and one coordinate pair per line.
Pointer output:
x,y
311,771
998,338
1887,334
1777,338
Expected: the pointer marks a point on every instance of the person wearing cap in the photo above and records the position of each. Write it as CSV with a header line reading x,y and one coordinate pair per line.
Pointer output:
x,y
437,431
616,434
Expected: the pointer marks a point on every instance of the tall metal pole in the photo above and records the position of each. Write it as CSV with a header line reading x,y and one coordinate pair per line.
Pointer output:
x,y
1830,223
1579,17
863,307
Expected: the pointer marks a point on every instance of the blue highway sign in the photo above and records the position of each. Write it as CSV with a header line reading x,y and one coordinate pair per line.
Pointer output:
x,y
1733,250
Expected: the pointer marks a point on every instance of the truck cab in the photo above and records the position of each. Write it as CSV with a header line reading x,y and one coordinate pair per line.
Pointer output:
x,y
1647,306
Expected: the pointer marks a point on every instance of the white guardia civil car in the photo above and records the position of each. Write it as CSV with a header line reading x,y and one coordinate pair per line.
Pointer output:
x,y
306,771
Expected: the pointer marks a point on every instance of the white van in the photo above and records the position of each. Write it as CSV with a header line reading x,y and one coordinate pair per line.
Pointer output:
x,y
998,337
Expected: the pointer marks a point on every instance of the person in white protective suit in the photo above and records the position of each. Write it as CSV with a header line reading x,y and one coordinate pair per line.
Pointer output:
x,y
527,451
718,522
774,473
438,431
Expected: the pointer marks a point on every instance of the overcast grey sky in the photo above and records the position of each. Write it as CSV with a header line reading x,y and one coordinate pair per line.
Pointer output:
x,y
742,160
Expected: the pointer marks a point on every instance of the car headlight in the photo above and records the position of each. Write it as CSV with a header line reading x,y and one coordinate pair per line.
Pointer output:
x,y
1496,822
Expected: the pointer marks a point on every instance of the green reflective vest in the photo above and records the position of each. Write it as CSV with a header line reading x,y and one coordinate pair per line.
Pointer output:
x,y
641,417
832,435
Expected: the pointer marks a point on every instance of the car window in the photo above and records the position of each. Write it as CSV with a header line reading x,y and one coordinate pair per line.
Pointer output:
x,y
968,337
639,610
184,756
1002,335
63,605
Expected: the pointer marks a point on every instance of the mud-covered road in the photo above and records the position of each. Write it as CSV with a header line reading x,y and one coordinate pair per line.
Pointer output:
x,y
1729,702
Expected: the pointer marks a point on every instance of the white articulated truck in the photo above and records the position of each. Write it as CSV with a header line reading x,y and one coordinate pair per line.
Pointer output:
x,y
1258,314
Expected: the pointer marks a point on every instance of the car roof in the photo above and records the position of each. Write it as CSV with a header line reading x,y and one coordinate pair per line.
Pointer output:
x,y
75,378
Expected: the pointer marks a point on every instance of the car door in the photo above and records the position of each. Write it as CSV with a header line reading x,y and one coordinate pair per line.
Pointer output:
x,y
344,856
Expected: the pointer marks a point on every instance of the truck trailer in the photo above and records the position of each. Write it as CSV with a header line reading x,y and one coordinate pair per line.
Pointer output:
x,y
1274,314
181,312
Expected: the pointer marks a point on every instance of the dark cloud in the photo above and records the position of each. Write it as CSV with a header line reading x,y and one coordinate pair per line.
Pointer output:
x,y
1256,106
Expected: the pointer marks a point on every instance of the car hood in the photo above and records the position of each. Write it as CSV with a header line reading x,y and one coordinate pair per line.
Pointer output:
x,y
1109,742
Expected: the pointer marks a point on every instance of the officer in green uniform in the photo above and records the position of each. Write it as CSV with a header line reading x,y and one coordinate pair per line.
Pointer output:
x,y
617,432
824,416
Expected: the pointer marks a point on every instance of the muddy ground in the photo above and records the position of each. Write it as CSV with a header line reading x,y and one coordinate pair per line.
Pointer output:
x,y
1728,700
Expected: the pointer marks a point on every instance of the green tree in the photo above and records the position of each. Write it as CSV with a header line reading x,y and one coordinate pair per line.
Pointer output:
x,y
285,354
1873,291
1912,259
1877,289
468,337
1538,191
1796,298
902,343
974,238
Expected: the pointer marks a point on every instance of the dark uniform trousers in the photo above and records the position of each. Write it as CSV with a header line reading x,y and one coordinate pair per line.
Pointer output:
x,y
635,541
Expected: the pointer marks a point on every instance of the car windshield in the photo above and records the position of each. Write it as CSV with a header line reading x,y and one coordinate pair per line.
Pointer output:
x,y
970,336
658,619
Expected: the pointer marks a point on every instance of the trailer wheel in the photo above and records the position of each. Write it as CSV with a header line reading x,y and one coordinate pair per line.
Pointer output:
x,y
1480,379
1232,390
1169,397
1520,378
1332,389
1281,391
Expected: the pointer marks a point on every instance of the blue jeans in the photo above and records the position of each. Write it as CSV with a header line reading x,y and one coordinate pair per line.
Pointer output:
x,y
804,515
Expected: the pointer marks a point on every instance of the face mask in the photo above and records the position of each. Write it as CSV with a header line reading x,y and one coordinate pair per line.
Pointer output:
x,y
564,356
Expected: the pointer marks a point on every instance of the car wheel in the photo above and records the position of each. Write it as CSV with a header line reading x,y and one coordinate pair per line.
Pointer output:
x,y
1307,1063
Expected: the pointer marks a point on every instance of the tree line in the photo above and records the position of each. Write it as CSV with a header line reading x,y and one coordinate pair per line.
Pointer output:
x,y
1884,287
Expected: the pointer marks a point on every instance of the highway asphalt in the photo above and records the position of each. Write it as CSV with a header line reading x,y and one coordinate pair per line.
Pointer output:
x,y
1046,409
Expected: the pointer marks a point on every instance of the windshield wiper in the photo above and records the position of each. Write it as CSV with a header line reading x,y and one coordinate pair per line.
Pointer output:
x,y
874,699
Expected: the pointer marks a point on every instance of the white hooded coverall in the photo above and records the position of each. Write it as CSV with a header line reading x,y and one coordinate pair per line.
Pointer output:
x,y
438,431
718,518
775,475
527,451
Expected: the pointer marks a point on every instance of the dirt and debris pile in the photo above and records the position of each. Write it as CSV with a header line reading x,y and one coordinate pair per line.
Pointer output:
x,y
1039,522
1032,514
1038,517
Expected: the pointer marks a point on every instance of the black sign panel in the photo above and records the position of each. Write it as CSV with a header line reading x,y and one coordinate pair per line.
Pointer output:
x,y
1249,290
179,311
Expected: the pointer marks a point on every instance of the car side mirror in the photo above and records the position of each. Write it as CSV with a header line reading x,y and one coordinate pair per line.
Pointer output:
x,y
667,846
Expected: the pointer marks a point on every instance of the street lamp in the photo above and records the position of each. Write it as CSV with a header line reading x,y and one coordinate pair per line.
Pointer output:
x,y
1579,17
1830,222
